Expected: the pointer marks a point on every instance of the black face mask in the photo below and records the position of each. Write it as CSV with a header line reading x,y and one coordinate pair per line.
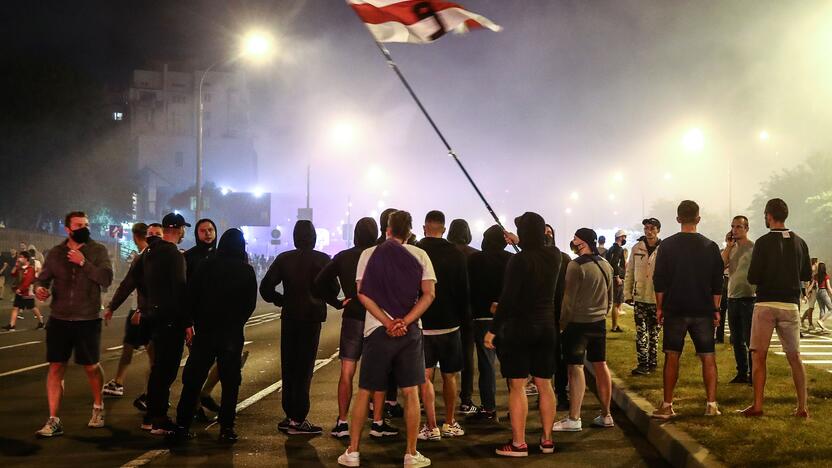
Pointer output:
x,y
81,235
548,241
574,247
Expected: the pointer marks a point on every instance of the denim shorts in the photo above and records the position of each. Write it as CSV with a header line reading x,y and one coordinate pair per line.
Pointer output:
x,y
701,331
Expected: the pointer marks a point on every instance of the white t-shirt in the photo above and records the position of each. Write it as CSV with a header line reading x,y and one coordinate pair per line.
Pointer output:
x,y
370,322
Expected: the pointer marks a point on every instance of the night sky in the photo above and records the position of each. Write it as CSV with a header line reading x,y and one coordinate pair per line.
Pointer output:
x,y
569,95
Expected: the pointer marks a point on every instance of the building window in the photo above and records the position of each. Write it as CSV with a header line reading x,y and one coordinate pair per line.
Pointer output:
x,y
180,159
118,116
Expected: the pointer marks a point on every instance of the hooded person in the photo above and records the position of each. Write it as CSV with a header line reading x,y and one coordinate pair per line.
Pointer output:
x,y
459,234
342,269
205,234
222,296
525,325
486,270
302,312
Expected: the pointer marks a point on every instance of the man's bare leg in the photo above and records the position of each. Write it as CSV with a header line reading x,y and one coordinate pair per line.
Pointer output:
x,y
577,388
603,383
345,388
95,376
124,362
429,398
518,407
671,374
758,358
546,405
411,416
55,387
359,415
709,375
799,377
449,393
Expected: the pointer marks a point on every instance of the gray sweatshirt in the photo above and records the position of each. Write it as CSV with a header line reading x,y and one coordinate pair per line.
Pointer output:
x,y
588,295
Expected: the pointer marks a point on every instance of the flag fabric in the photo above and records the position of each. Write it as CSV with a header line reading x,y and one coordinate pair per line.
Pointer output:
x,y
416,21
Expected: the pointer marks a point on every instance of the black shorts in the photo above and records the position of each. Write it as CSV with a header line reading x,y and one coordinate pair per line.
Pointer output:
x,y
24,303
701,331
81,336
137,335
617,293
402,356
585,340
526,349
352,339
444,350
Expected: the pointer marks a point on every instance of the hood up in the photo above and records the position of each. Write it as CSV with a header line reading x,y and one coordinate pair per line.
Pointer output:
x,y
304,235
366,233
531,230
459,232
493,239
233,244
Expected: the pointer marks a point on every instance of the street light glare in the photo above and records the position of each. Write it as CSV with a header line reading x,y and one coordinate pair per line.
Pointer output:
x,y
618,177
574,196
343,135
257,45
764,136
694,140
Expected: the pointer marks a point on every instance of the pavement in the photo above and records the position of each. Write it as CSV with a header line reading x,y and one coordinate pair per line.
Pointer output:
x,y
121,443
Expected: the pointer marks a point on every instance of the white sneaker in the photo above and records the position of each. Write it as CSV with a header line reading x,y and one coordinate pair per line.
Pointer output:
x,y
567,425
416,460
452,430
429,434
603,421
711,409
349,458
97,419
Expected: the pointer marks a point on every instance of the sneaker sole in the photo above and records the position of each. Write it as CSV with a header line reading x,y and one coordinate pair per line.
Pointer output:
x,y
47,436
451,434
511,454
568,430
297,432
546,450
340,434
381,435
348,462
96,426
429,438
112,393
662,416
418,465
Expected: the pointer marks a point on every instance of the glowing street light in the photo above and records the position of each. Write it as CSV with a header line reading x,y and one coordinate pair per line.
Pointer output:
x,y
693,141
763,136
257,45
618,177
343,135
668,176
568,211
257,192
574,196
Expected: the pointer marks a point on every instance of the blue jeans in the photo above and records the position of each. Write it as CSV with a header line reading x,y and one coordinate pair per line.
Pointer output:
x,y
740,312
485,363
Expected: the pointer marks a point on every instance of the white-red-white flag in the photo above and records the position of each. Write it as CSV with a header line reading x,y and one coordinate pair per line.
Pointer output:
x,y
416,21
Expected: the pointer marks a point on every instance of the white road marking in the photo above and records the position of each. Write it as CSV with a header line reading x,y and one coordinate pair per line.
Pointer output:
x,y
803,353
25,369
147,457
20,344
115,348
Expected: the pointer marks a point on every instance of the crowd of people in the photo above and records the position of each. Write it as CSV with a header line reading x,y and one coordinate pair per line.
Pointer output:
x,y
412,307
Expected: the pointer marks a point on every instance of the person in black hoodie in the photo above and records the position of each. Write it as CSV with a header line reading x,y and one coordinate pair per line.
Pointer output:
x,y
222,296
459,234
205,233
301,317
343,268
525,326
561,372
486,271
441,324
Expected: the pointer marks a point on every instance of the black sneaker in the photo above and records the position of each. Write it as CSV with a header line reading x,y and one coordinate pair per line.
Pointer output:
x,y
382,430
40,325
208,403
179,434
468,409
483,415
7,327
304,428
340,430
617,330
227,434
640,371
164,428
740,379
283,426
141,403
201,416
393,411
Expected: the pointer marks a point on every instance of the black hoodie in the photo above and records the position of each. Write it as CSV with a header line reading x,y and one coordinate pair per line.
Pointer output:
x,y
459,234
486,271
450,307
297,270
223,291
343,268
201,251
528,295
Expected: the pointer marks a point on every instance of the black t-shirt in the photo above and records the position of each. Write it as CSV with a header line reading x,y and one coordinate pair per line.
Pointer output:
x,y
689,273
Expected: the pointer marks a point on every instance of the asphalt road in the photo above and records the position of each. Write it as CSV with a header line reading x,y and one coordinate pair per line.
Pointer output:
x,y
23,409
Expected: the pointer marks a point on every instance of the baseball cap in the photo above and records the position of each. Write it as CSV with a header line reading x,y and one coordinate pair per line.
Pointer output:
x,y
620,233
652,222
173,220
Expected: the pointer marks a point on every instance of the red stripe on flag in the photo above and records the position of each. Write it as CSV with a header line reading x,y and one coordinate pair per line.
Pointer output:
x,y
403,12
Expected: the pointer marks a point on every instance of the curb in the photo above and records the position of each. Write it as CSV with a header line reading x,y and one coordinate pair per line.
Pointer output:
x,y
675,445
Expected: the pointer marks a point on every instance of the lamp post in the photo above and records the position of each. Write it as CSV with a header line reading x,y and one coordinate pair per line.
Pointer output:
x,y
255,45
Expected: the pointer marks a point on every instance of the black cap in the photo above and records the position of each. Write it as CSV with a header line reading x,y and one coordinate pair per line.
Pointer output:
x,y
174,220
589,236
652,222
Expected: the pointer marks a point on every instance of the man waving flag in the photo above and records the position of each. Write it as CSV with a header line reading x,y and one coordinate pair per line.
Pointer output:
x,y
416,21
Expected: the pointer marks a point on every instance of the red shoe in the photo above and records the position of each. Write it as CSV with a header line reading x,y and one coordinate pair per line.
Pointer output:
x,y
547,446
750,412
510,450
801,414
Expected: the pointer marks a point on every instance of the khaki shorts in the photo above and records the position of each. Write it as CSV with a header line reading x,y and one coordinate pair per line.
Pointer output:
x,y
766,319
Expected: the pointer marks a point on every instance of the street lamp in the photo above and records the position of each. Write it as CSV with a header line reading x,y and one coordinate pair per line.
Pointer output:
x,y
694,140
255,46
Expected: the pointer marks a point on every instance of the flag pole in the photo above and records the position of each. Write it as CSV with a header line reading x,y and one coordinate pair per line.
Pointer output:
x,y
392,63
